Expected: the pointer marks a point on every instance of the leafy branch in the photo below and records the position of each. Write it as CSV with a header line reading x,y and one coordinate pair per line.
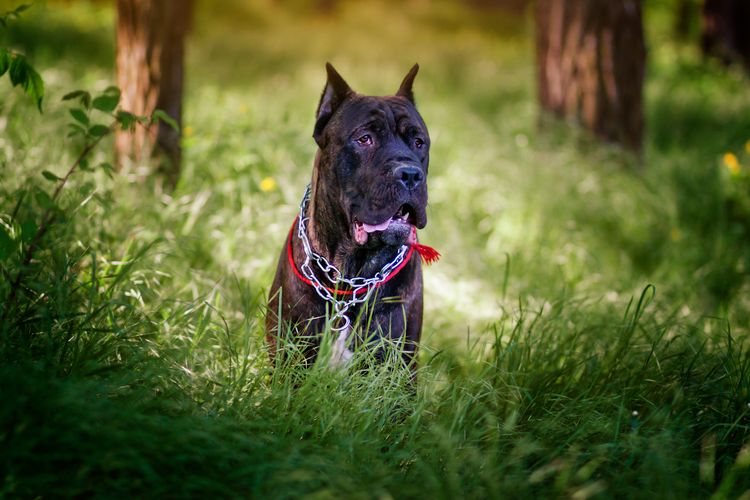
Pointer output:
x,y
17,66
92,133
13,14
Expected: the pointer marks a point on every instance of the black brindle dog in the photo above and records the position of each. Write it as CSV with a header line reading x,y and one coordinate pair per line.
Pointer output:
x,y
352,255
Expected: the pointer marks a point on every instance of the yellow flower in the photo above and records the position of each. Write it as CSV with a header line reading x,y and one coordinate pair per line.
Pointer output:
x,y
732,163
187,130
268,184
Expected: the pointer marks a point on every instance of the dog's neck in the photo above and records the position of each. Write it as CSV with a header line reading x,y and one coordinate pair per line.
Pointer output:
x,y
327,227
330,235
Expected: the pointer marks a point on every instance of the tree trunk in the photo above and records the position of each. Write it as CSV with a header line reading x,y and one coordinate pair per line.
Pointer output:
x,y
150,68
724,30
591,58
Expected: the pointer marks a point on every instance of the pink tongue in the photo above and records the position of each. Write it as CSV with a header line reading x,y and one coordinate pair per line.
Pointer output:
x,y
362,231
377,227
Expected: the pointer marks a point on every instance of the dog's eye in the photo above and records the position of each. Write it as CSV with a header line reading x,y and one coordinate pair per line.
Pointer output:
x,y
418,143
365,140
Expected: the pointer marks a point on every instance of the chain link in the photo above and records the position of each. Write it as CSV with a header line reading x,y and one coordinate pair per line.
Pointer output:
x,y
334,276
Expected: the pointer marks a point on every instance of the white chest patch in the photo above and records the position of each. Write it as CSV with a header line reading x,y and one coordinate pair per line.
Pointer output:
x,y
340,355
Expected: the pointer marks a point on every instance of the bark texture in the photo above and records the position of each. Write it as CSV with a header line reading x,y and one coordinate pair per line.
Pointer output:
x,y
150,71
591,58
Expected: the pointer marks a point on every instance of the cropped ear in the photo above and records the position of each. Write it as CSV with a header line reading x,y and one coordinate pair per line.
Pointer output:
x,y
335,92
405,89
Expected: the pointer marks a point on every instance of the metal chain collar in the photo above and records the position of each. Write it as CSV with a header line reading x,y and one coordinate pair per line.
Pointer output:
x,y
332,274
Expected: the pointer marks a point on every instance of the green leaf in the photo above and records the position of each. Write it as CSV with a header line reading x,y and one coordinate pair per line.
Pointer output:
x,y
50,176
35,87
86,189
84,96
98,130
28,230
112,90
108,169
161,115
73,95
75,130
84,165
21,8
24,75
105,103
108,100
12,14
126,120
18,69
7,245
80,116
43,199
4,61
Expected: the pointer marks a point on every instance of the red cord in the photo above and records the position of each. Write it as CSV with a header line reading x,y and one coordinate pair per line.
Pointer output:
x,y
429,255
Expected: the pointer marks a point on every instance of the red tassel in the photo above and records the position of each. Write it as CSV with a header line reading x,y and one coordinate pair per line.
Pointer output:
x,y
429,255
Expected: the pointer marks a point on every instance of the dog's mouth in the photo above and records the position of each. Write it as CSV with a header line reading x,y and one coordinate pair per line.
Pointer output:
x,y
401,226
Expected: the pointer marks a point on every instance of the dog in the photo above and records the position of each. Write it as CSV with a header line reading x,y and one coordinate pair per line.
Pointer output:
x,y
351,261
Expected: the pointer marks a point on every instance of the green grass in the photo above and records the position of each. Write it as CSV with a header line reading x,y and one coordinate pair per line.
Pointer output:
x,y
585,331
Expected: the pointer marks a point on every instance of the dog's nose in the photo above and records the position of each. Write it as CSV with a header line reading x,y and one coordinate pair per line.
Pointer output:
x,y
410,177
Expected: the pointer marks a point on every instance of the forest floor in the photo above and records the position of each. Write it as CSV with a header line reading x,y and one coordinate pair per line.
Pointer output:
x,y
585,330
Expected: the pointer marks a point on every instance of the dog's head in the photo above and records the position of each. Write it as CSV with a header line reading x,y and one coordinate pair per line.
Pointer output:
x,y
371,173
